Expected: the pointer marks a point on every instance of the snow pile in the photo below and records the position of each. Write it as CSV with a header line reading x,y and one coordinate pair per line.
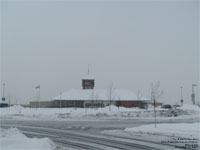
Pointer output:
x,y
12,139
176,129
93,113
19,111
190,107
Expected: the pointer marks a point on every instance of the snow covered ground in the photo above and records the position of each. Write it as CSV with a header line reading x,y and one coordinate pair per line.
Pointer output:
x,y
13,139
17,139
182,135
18,112
189,130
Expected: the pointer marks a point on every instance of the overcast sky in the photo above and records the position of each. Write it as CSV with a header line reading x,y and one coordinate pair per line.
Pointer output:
x,y
130,43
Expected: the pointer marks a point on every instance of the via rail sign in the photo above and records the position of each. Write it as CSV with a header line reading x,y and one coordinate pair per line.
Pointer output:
x,y
3,98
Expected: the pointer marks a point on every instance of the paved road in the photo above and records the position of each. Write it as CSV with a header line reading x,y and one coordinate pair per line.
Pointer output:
x,y
91,125
86,134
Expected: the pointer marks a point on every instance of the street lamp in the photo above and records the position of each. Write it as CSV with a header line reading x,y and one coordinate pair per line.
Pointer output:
x,y
3,97
181,96
193,94
60,98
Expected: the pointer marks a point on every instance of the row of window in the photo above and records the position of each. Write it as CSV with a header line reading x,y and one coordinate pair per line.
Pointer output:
x,y
95,105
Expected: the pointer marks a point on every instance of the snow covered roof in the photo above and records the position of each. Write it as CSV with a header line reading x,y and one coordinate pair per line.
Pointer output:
x,y
98,94
90,77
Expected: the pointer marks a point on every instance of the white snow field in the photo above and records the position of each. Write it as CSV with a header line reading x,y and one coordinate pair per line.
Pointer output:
x,y
180,135
13,139
190,107
189,130
18,112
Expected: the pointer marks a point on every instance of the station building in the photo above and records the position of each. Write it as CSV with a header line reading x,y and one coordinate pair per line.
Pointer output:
x,y
89,97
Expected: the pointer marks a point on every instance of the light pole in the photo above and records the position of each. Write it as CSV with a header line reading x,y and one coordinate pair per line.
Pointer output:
x,y
193,94
3,96
38,96
60,98
181,96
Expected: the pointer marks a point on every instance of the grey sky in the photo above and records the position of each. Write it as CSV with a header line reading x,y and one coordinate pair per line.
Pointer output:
x,y
129,43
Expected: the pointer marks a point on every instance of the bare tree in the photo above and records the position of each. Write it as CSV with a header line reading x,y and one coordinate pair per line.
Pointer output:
x,y
96,97
139,94
92,97
111,95
119,98
9,97
156,92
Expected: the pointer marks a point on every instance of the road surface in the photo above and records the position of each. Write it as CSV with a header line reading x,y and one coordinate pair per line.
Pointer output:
x,y
87,134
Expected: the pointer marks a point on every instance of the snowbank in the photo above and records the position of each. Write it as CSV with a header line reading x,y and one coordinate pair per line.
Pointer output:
x,y
178,135
174,129
12,139
68,113
18,112
190,107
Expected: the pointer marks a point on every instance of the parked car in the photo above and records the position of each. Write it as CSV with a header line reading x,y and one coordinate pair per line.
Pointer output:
x,y
175,106
167,106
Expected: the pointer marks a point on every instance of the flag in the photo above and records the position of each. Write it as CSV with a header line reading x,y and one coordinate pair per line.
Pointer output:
x,y
37,87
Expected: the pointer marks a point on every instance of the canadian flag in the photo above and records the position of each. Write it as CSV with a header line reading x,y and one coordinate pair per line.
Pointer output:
x,y
37,87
